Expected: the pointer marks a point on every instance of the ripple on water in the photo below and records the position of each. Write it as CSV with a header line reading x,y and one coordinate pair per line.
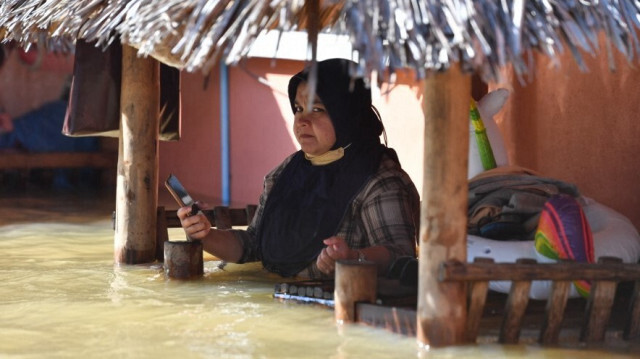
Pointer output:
x,y
61,296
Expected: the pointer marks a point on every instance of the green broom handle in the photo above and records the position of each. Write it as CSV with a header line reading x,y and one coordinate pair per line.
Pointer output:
x,y
484,146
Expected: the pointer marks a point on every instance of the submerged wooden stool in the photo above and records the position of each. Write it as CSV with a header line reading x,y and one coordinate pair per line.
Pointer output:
x,y
183,259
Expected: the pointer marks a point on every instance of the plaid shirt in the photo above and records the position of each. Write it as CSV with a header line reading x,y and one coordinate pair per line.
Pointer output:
x,y
384,213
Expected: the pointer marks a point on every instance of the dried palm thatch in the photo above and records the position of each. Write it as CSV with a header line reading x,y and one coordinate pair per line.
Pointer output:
x,y
425,35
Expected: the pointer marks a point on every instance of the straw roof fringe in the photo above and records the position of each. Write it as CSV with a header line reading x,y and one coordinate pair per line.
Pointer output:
x,y
425,35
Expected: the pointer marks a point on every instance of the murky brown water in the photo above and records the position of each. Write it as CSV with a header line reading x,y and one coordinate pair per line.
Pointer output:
x,y
62,297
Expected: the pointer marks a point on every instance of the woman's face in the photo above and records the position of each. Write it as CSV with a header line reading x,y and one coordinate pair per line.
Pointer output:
x,y
312,126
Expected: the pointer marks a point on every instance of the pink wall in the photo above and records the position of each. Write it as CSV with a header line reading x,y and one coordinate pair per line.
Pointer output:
x,y
195,159
26,84
261,129
567,124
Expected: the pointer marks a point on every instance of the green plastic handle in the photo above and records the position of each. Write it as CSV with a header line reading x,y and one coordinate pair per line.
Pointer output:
x,y
484,146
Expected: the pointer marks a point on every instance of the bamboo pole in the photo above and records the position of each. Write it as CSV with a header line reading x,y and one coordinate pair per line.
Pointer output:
x,y
137,182
442,311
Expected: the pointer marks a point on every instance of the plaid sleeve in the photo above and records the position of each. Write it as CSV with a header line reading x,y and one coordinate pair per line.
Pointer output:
x,y
385,213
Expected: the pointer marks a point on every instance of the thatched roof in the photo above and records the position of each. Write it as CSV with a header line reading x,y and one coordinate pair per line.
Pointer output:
x,y
425,35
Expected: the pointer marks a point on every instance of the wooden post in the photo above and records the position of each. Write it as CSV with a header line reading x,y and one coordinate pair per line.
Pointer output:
x,y
355,282
137,182
183,259
442,310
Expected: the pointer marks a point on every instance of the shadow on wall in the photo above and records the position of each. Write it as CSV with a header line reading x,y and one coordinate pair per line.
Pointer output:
x,y
581,128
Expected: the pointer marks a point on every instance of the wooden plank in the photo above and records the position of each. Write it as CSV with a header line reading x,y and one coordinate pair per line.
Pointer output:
x,y
458,271
599,307
395,319
554,312
476,307
162,234
222,218
27,160
632,326
442,307
251,211
237,216
515,308
477,300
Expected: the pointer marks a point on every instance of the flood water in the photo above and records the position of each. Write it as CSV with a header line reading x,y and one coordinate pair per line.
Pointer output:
x,y
62,297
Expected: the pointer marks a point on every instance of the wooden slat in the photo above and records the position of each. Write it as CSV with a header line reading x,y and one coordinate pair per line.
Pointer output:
x,y
238,217
632,326
251,211
395,319
599,307
222,217
477,299
21,160
457,271
554,312
515,308
162,234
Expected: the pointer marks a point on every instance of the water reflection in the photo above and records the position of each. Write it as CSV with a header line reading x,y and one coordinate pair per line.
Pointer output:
x,y
62,296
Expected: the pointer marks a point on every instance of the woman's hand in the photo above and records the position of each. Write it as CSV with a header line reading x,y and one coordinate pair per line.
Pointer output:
x,y
195,225
336,248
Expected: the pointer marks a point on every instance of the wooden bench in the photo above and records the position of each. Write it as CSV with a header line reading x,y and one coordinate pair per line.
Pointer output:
x,y
30,160
106,160
604,277
592,323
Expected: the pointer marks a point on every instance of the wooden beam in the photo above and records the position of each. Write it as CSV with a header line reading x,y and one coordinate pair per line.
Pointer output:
x,y
554,312
459,271
632,327
515,308
22,160
442,311
137,182
599,307
477,299
236,216
400,320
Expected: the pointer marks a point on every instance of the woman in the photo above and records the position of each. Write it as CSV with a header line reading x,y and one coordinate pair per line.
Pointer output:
x,y
342,196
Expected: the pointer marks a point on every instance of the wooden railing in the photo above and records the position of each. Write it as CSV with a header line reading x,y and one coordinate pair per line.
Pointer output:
x,y
220,217
28,160
604,277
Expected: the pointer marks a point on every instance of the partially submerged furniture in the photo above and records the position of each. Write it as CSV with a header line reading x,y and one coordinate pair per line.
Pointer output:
x,y
23,161
613,309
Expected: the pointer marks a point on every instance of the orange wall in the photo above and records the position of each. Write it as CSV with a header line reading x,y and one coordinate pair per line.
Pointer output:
x,y
581,127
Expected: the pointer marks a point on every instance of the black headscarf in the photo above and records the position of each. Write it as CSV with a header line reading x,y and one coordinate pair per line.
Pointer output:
x,y
307,202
